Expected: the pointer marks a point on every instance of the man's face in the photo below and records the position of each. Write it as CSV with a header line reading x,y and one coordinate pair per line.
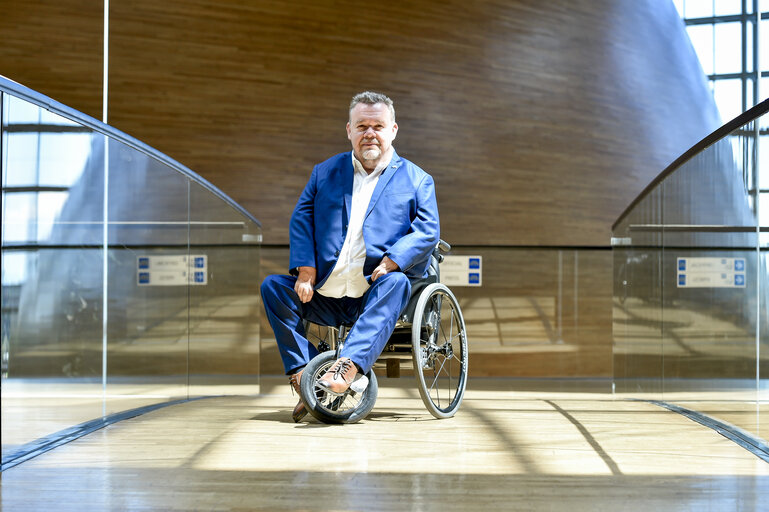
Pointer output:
x,y
371,131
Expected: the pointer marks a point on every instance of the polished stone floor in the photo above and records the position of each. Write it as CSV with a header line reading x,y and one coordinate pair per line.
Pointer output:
x,y
508,448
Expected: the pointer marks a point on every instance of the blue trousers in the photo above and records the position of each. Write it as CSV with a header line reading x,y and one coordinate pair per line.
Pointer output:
x,y
373,317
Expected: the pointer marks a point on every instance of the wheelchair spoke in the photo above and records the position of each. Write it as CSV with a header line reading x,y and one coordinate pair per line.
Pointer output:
x,y
440,352
437,376
437,392
332,402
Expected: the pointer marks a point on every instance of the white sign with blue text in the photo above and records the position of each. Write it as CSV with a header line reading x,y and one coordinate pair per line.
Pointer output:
x,y
462,271
172,270
707,272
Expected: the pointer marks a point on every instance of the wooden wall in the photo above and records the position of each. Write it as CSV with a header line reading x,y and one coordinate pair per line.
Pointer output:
x,y
539,121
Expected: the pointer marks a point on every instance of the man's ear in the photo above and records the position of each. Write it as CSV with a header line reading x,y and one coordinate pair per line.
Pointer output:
x,y
349,135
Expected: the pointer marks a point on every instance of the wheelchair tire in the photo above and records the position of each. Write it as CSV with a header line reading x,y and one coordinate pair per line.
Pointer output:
x,y
350,407
439,340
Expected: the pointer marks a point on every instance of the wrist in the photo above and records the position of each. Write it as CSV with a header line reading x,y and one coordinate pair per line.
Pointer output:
x,y
307,273
389,264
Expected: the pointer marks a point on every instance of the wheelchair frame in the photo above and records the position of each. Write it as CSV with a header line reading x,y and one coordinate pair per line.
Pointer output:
x,y
430,335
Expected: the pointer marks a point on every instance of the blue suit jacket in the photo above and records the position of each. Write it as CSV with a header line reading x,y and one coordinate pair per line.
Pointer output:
x,y
401,220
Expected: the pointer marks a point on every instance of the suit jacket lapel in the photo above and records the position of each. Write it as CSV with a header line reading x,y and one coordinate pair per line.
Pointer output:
x,y
384,179
347,179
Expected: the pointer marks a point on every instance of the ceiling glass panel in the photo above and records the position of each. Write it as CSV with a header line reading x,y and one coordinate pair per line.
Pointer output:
x,y
728,48
702,40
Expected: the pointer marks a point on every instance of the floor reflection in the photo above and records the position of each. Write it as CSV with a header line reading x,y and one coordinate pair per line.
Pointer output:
x,y
508,445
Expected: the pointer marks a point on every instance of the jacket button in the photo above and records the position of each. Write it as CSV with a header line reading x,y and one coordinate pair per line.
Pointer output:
x,y
336,254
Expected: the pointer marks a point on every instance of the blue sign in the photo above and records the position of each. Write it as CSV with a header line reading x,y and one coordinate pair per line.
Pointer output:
x,y
200,277
474,278
144,263
682,264
475,263
682,280
739,264
144,278
739,280
200,262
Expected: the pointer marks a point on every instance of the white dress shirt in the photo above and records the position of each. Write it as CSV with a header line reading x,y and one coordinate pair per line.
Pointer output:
x,y
346,280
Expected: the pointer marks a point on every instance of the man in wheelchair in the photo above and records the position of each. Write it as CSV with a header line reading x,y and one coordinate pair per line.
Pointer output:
x,y
364,226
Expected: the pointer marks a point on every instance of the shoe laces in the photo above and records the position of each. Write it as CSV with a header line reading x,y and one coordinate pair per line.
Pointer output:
x,y
293,382
342,367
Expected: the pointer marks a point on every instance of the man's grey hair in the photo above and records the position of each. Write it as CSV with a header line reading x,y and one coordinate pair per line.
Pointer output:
x,y
372,98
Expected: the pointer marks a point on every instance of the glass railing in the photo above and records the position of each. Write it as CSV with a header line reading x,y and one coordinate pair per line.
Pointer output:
x,y
691,287
539,317
127,279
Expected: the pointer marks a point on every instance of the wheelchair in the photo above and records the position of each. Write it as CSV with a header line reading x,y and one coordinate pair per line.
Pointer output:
x,y
429,338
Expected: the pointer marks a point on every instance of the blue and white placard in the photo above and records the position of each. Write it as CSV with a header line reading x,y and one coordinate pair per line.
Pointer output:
x,y
172,270
462,271
707,272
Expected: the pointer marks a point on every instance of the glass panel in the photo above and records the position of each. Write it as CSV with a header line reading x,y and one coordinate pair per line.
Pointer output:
x,y
51,319
637,307
763,342
549,319
679,7
36,148
764,217
700,275
546,323
728,95
728,47
749,47
21,159
19,217
225,308
14,271
48,117
148,324
764,120
58,171
763,174
22,112
763,44
53,284
53,336
698,8
702,40
727,7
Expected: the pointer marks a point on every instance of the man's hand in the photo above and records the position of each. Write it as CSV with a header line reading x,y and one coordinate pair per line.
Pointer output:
x,y
386,265
305,282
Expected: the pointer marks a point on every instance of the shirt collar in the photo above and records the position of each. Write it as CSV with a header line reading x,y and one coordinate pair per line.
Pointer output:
x,y
383,163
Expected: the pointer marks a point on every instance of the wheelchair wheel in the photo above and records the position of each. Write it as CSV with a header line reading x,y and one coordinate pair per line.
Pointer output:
x,y
327,407
439,350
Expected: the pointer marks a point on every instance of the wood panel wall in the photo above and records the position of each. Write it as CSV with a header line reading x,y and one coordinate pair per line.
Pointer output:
x,y
540,121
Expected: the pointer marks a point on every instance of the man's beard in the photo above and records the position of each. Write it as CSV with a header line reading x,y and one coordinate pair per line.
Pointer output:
x,y
371,154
